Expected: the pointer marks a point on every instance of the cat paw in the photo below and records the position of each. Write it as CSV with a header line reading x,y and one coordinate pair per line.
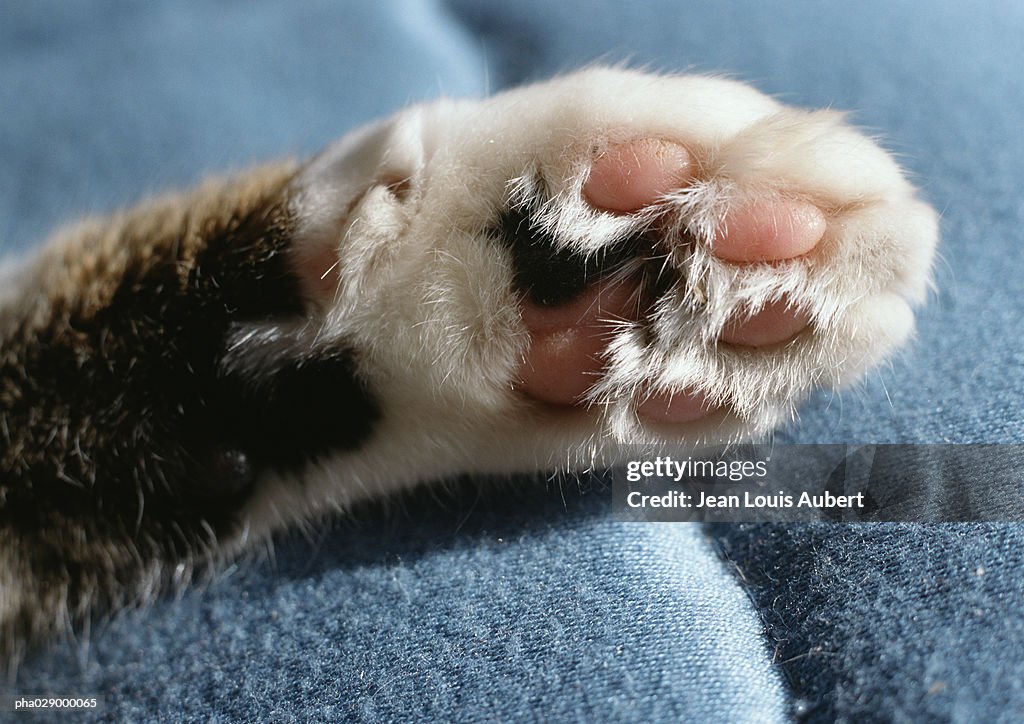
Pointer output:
x,y
610,256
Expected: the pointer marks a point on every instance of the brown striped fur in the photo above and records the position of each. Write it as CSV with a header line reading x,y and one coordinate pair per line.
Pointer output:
x,y
81,524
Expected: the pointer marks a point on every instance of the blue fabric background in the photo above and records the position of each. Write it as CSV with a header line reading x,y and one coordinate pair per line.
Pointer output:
x,y
499,603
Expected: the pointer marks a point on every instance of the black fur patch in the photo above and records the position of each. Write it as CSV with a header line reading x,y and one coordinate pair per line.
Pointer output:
x,y
550,275
304,410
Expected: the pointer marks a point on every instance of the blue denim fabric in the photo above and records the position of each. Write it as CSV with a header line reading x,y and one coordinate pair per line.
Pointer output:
x,y
532,604
505,605
106,102
893,622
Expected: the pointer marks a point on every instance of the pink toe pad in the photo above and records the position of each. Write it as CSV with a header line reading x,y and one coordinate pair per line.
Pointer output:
x,y
632,175
770,231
